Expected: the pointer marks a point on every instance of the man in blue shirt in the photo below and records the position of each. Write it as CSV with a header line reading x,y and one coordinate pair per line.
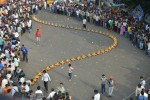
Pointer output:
x,y
24,51
1,66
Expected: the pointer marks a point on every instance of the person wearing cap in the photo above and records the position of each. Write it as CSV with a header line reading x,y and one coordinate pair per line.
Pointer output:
x,y
110,86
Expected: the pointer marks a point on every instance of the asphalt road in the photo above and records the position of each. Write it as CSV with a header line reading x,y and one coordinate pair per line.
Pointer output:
x,y
125,63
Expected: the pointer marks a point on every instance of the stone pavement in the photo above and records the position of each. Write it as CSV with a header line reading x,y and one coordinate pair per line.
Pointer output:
x,y
125,63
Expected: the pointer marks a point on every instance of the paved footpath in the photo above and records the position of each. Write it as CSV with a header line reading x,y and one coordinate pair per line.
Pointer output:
x,y
125,63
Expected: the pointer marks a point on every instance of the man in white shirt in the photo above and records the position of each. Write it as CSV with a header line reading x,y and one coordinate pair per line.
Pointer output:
x,y
77,14
148,49
124,24
36,9
97,95
84,23
29,82
97,20
4,82
46,78
147,27
22,80
29,24
16,21
51,94
27,89
45,4
8,75
38,93
16,61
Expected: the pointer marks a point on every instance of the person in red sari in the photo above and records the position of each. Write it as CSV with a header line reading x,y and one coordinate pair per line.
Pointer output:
x,y
38,36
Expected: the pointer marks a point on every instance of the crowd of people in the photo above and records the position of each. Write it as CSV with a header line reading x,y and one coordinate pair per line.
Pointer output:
x,y
142,92
56,94
15,20
117,20
105,82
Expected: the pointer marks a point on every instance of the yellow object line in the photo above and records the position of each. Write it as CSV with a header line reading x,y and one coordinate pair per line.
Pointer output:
x,y
59,63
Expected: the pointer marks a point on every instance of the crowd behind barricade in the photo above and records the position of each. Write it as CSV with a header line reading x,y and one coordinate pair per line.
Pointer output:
x,y
119,21
15,20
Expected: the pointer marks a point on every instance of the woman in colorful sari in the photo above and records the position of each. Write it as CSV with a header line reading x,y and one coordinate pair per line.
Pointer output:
x,y
122,29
